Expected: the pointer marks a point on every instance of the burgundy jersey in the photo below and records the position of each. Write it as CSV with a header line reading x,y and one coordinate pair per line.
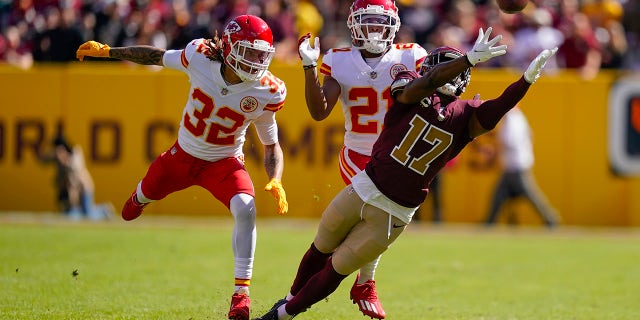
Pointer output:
x,y
415,145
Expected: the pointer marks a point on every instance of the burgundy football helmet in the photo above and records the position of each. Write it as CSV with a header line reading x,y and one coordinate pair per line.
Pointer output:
x,y
438,55
248,46
373,24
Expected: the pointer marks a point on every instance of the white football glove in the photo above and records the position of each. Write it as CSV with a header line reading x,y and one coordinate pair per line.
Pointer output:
x,y
309,55
535,67
484,50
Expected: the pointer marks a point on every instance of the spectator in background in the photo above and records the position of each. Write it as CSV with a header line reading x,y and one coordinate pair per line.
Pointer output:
x,y
536,34
67,184
614,45
605,17
600,12
113,21
74,183
281,17
189,23
308,18
420,17
516,152
580,49
14,50
169,23
59,40
631,25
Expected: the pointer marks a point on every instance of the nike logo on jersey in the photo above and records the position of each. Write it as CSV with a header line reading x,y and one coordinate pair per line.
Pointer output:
x,y
398,226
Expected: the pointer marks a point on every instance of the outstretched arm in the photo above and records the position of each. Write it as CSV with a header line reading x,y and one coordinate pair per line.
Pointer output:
x,y
320,98
146,55
489,113
482,50
432,80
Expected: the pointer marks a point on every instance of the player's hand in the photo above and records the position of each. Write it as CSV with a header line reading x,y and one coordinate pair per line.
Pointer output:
x,y
484,49
92,49
535,67
308,55
275,188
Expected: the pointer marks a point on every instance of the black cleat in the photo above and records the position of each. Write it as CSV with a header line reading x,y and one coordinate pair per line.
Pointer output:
x,y
272,314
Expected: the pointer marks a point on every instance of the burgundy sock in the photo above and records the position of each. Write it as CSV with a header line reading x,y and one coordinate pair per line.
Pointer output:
x,y
319,286
312,262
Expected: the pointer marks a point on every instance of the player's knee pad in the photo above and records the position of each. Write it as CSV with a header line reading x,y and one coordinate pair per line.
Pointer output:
x,y
243,208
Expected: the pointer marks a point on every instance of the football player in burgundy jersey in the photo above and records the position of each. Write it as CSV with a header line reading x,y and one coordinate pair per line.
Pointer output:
x,y
426,126
359,77
231,88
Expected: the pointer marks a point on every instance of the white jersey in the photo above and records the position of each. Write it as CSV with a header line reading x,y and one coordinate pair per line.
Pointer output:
x,y
516,139
364,91
216,116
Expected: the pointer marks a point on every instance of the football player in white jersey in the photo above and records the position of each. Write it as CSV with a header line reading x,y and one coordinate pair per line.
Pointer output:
x,y
360,76
231,88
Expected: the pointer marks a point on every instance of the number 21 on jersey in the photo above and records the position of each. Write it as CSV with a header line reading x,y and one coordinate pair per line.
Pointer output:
x,y
369,108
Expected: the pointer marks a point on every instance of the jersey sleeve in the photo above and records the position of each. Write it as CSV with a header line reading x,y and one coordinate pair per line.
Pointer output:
x,y
267,128
279,90
325,67
419,54
179,59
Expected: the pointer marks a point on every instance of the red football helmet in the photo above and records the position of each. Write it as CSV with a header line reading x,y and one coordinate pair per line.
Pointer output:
x,y
373,24
438,55
248,46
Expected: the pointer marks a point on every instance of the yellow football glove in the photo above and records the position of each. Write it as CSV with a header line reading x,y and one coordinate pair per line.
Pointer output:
x,y
92,49
275,188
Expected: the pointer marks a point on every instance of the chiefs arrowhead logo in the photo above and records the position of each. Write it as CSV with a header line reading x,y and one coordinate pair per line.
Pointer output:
x,y
248,104
396,68
232,27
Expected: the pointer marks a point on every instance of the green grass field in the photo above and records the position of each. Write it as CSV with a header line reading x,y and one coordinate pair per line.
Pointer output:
x,y
170,268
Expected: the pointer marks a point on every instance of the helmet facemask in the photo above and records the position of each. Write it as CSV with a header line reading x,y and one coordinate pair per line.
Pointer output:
x,y
373,28
457,85
250,60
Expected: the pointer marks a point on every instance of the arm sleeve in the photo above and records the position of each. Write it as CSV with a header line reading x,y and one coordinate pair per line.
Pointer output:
x,y
325,67
267,128
490,112
277,102
179,59
172,59
266,125
419,55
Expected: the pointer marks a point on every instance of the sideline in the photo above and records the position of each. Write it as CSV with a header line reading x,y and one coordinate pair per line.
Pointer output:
x,y
292,223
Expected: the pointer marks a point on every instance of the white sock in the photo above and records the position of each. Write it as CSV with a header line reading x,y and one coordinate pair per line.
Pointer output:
x,y
368,271
242,290
243,237
282,313
140,196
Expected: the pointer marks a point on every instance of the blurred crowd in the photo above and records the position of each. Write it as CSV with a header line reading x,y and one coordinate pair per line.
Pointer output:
x,y
591,34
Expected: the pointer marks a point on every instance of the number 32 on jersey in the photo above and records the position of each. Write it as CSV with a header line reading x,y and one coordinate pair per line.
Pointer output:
x,y
218,133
